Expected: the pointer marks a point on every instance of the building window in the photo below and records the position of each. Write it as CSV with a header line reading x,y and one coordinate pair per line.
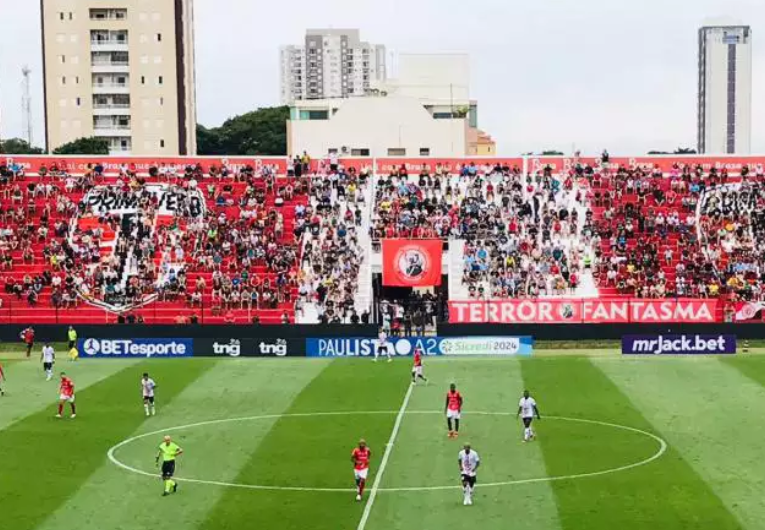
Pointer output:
x,y
61,15
71,16
78,101
143,80
360,152
62,59
424,151
162,144
161,79
161,102
76,80
396,151
159,37
63,79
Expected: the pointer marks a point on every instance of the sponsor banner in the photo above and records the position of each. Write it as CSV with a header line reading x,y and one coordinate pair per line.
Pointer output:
x,y
365,346
412,262
111,164
678,344
733,164
248,347
749,311
583,311
452,165
128,348
487,345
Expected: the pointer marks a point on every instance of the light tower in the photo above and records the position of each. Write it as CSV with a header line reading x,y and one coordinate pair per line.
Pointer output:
x,y
26,104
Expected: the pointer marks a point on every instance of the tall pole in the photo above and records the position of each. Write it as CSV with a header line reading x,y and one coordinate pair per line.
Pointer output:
x,y
26,105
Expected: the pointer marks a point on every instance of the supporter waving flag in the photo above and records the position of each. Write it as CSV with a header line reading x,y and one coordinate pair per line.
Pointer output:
x,y
412,262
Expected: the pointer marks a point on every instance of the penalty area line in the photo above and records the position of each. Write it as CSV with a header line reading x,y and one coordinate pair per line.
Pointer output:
x,y
384,462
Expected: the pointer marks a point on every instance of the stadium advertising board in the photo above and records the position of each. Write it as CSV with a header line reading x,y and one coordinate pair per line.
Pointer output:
x,y
487,345
733,164
584,311
249,347
405,346
690,344
130,348
365,347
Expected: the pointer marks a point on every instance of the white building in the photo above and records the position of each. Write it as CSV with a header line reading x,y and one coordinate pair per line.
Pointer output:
x,y
332,63
425,111
374,126
121,70
725,90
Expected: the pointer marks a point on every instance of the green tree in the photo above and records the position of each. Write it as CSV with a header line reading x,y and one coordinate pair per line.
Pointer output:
x,y
17,146
684,151
260,132
551,152
84,146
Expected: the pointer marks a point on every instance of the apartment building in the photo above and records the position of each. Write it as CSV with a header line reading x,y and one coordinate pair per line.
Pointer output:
x,y
331,63
121,70
725,90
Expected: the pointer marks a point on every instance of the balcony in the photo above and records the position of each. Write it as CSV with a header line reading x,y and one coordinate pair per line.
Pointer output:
x,y
110,67
111,109
111,88
109,45
111,130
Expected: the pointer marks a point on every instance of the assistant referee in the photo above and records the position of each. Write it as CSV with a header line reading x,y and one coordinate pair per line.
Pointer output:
x,y
168,451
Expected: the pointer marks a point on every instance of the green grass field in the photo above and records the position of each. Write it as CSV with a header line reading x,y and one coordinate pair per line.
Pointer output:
x,y
267,444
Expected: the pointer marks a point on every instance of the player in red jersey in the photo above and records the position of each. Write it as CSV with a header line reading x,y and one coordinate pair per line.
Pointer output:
x,y
453,409
66,394
360,458
28,336
417,368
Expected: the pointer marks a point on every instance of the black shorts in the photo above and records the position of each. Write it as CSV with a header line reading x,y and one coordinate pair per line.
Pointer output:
x,y
47,366
148,399
467,479
382,348
527,422
168,468
72,343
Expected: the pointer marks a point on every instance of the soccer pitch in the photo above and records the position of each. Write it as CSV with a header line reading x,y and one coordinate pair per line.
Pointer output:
x,y
657,442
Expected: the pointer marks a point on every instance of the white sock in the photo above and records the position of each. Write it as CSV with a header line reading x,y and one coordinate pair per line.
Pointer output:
x,y
146,408
526,433
153,410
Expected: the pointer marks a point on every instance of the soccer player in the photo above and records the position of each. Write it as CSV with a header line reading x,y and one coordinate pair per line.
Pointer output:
x,y
360,457
382,346
2,380
66,394
147,386
48,357
71,335
527,408
468,462
453,410
168,451
28,336
417,368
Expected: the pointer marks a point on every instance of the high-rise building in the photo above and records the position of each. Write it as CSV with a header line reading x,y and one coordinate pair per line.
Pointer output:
x,y
331,63
121,70
725,89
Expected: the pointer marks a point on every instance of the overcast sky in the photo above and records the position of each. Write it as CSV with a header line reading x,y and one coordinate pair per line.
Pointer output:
x,y
547,74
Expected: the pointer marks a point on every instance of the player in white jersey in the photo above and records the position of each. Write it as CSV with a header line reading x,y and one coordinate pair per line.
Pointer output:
x,y
147,386
468,461
527,409
383,346
48,357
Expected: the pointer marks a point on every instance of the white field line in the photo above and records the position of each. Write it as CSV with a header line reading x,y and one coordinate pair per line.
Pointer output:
x,y
384,461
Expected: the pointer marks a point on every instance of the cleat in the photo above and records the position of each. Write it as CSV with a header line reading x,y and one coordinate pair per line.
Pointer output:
x,y
73,416
358,497
165,494
175,487
58,415
464,502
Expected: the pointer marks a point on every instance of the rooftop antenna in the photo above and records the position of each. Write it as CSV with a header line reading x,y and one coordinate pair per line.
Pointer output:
x,y
26,104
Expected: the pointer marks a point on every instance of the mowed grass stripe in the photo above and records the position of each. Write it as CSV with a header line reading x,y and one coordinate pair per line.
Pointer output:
x,y
234,388
52,458
27,391
667,493
315,451
710,411
424,456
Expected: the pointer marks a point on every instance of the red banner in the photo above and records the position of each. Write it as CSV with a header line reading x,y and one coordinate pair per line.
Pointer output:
x,y
411,262
452,165
587,311
732,163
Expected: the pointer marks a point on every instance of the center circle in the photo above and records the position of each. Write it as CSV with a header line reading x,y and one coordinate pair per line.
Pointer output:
x,y
662,448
